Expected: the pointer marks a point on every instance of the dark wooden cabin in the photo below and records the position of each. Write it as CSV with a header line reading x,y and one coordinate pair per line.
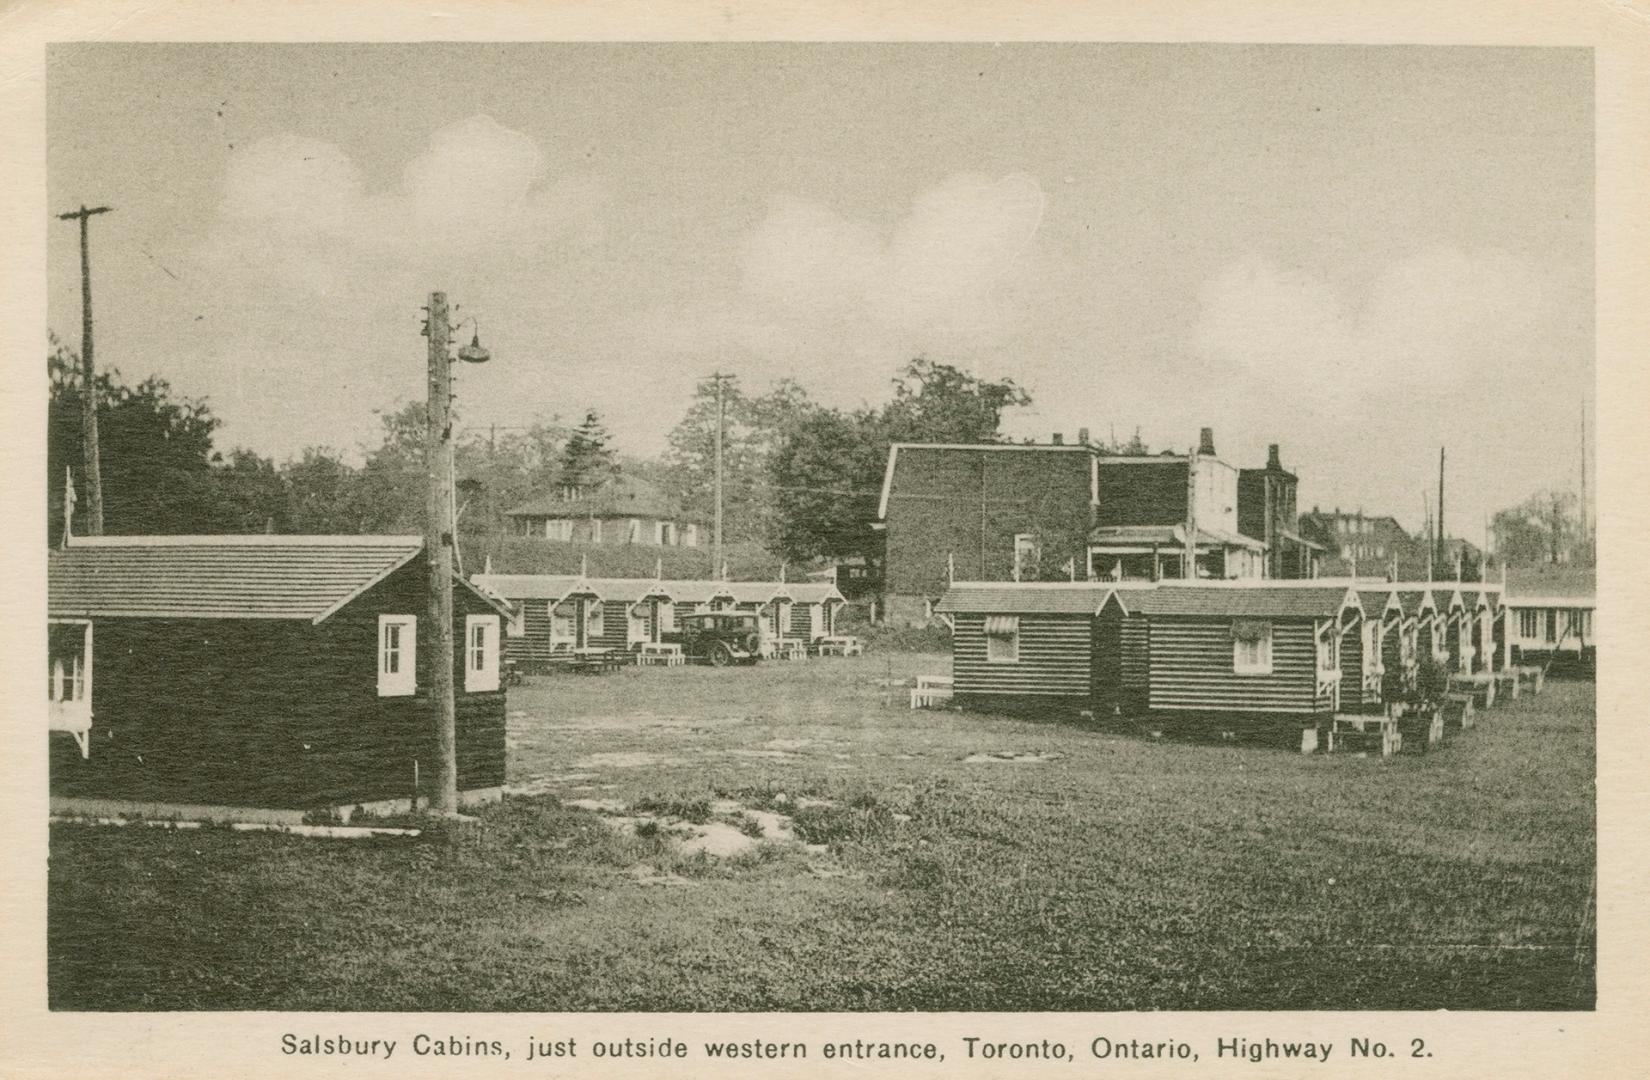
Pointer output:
x,y
288,672
1247,651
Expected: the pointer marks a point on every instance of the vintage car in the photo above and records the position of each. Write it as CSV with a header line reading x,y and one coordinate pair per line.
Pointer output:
x,y
719,638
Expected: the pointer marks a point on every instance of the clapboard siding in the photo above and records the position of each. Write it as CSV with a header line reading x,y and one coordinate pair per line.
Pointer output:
x,y
1352,665
1053,658
1191,668
1136,662
802,621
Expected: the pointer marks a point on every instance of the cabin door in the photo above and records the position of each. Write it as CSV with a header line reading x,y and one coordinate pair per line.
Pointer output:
x,y
1106,662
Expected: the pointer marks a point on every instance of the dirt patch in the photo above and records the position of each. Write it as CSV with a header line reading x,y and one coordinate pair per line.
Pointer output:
x,y
717,839
787,744
763,753
1013,757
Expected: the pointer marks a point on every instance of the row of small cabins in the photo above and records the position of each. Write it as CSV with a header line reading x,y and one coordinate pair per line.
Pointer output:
x,y
555,614
290,671
1274,655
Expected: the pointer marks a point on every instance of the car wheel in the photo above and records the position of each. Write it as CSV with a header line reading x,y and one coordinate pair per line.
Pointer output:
x,y
720,656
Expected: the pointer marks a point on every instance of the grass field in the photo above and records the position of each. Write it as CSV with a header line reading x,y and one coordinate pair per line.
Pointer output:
x,y
1114,872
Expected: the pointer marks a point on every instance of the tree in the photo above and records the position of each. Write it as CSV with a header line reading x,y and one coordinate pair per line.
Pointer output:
x,y
586,459
1544,528
252,494
756,427
155,450
828,472
940,403
826,477
323,494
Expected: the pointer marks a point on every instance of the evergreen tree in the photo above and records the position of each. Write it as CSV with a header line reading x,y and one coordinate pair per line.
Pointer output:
x,y
586,458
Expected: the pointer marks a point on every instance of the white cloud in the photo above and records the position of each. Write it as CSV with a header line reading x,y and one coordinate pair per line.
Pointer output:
x,y
1441,319
816,287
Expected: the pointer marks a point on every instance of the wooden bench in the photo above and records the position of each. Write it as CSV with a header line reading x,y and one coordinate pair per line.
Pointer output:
x,y
840,646
596,661
1369,734
1530,675
662,653
1458,709
930,690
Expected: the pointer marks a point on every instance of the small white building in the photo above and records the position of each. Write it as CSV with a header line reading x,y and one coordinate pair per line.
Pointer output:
x,y
1550,612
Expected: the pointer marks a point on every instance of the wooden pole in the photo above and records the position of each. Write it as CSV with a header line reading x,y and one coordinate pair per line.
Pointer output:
x,y
1440,525
721,434
438,551
88,378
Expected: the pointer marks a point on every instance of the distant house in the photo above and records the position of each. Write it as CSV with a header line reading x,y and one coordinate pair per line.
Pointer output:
x,y
622,510
1550,615
1267,512
269,671
1145,505
1062,512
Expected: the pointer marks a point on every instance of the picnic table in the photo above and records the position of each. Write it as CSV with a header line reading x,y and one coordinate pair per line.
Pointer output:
x,y
1481,685
592,661
665,653
930,690
840,645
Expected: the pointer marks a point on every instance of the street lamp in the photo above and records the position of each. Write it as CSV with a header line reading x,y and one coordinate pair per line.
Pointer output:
x,y
439,540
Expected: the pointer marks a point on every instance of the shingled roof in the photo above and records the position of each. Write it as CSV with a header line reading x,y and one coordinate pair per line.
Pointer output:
x,y
219,577
1039,598
1243,600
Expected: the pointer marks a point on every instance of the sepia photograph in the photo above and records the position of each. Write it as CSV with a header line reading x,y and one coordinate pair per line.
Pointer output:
x,y
782,526
819,527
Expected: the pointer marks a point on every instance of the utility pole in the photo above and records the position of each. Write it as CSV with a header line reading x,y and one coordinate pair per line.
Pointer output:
x,y
438,552
1586,551
1439,525
721,433
88,389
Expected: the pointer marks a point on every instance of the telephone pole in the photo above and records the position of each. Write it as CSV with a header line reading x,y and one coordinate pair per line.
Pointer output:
x,y
1442,543
721,433
438,552
88,389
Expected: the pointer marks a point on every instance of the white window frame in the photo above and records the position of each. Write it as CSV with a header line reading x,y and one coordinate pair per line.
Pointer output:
x,y
517,626
480,653
636,626
634,535
570,621
595,620
690,535
595,530
1003,648
1027,542
403,681
1260,663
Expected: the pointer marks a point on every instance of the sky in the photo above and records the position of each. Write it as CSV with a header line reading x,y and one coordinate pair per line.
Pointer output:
x,y
1360,253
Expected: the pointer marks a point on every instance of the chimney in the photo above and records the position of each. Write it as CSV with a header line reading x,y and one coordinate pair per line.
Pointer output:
x,y
1059,439
1083,435
1272,461
1206,442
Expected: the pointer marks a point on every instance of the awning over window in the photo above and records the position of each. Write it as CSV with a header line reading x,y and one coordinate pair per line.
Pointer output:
x,y
1250,629
1002,625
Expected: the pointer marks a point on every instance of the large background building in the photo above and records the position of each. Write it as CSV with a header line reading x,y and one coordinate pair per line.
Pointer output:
x,y
622,510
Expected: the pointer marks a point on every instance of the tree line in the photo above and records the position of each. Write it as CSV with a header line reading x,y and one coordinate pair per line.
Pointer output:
x,y
800,479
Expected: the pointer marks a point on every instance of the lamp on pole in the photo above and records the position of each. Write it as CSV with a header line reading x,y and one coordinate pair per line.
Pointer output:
x,y
439,541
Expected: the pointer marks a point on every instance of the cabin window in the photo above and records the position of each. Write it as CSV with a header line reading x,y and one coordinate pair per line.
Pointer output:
x,y
1327,659
690,536
592,621
1529,624
480,652
638,629
1027,557
665,533
1552,626
559,529
562,626
1002,639
397,655
595,530
634,535
1251,647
